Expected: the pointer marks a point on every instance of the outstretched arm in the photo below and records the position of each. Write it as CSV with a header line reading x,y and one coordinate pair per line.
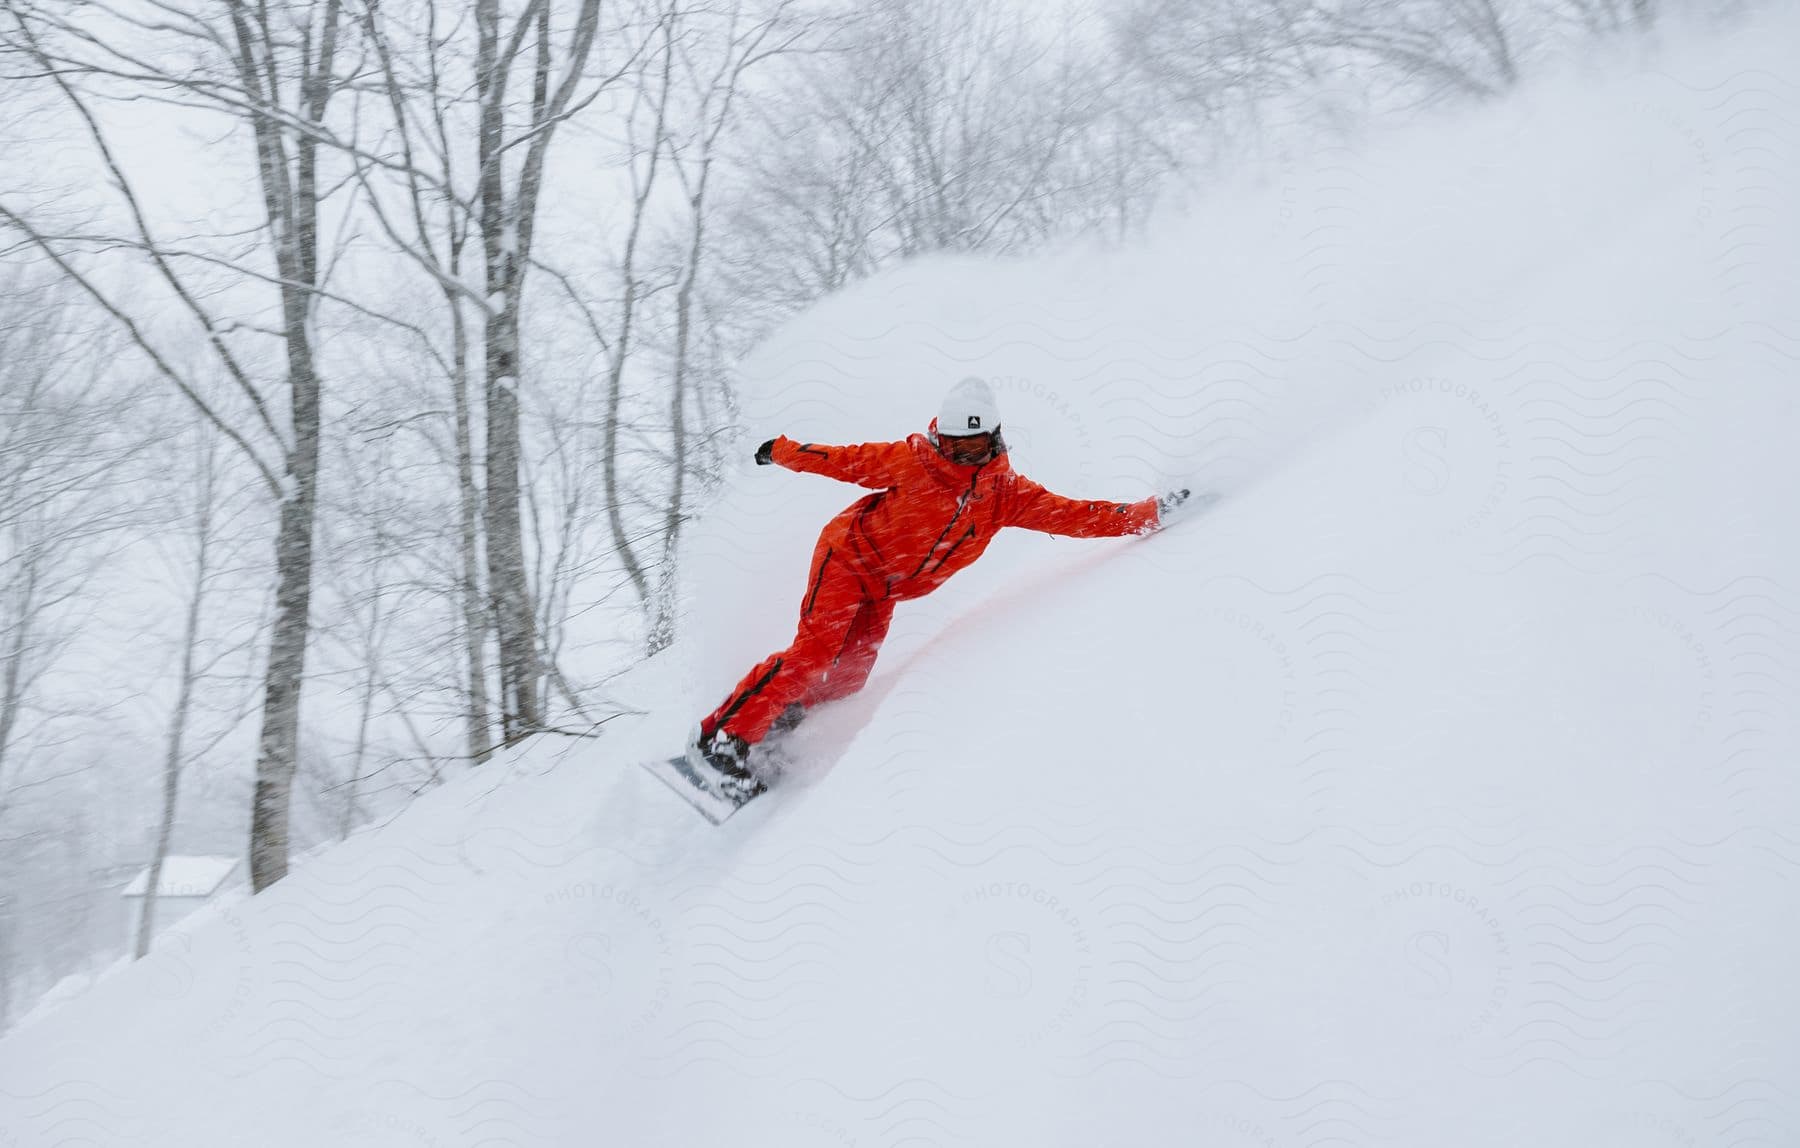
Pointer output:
x,y
872,464
1034,508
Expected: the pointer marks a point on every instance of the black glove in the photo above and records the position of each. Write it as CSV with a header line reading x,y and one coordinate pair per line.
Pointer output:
x,y
765,454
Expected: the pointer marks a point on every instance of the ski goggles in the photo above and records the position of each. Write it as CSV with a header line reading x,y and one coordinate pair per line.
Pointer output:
x,y
970,449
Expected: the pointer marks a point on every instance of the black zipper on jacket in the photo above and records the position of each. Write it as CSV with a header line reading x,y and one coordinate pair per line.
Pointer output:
x,y
818,580
945,557
960,503
861,524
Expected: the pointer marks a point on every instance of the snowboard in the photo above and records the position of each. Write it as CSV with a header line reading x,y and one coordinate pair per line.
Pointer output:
x,y
696,785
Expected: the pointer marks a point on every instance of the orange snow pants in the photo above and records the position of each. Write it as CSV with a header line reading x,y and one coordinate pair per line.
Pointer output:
x,y
843,619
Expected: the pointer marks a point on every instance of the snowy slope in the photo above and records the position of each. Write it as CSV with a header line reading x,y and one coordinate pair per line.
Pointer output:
x,y
1436,788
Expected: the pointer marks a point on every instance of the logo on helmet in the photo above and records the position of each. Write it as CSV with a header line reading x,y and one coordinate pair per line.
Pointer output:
x,y
974,422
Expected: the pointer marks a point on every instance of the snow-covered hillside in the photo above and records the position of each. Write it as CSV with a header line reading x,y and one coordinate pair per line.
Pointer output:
x,y
1437,787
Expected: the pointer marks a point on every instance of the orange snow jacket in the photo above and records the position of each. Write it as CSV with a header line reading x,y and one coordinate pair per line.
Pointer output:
x,y
930,517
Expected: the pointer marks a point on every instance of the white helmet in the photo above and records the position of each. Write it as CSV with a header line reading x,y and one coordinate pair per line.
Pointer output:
x,y
968,409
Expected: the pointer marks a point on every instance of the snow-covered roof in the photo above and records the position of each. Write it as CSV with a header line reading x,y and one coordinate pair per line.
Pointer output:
x,y
185,877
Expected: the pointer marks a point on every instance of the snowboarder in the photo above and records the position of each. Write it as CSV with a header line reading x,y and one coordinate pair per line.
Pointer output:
x,y
939,499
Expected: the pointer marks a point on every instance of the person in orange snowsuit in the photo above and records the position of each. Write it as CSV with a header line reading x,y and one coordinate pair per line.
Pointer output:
x,y
939,498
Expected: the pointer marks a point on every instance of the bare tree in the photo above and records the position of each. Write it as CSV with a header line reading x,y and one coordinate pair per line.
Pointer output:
x,y
273,70
927,126
433,227
1603,16
61,490
70,498
1455,47
206,520
648,113
711,53
509,191
381,598
1213,68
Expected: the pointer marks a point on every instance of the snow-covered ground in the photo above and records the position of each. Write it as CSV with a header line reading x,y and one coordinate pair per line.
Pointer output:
x,y
1438,787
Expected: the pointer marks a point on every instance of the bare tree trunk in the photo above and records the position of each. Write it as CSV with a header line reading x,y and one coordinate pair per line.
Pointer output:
x,y
514,621
278,746
477,620
623,346
506,231
293,212
662,629
184,696
475,616
12,669
6,962
365,712
739,52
